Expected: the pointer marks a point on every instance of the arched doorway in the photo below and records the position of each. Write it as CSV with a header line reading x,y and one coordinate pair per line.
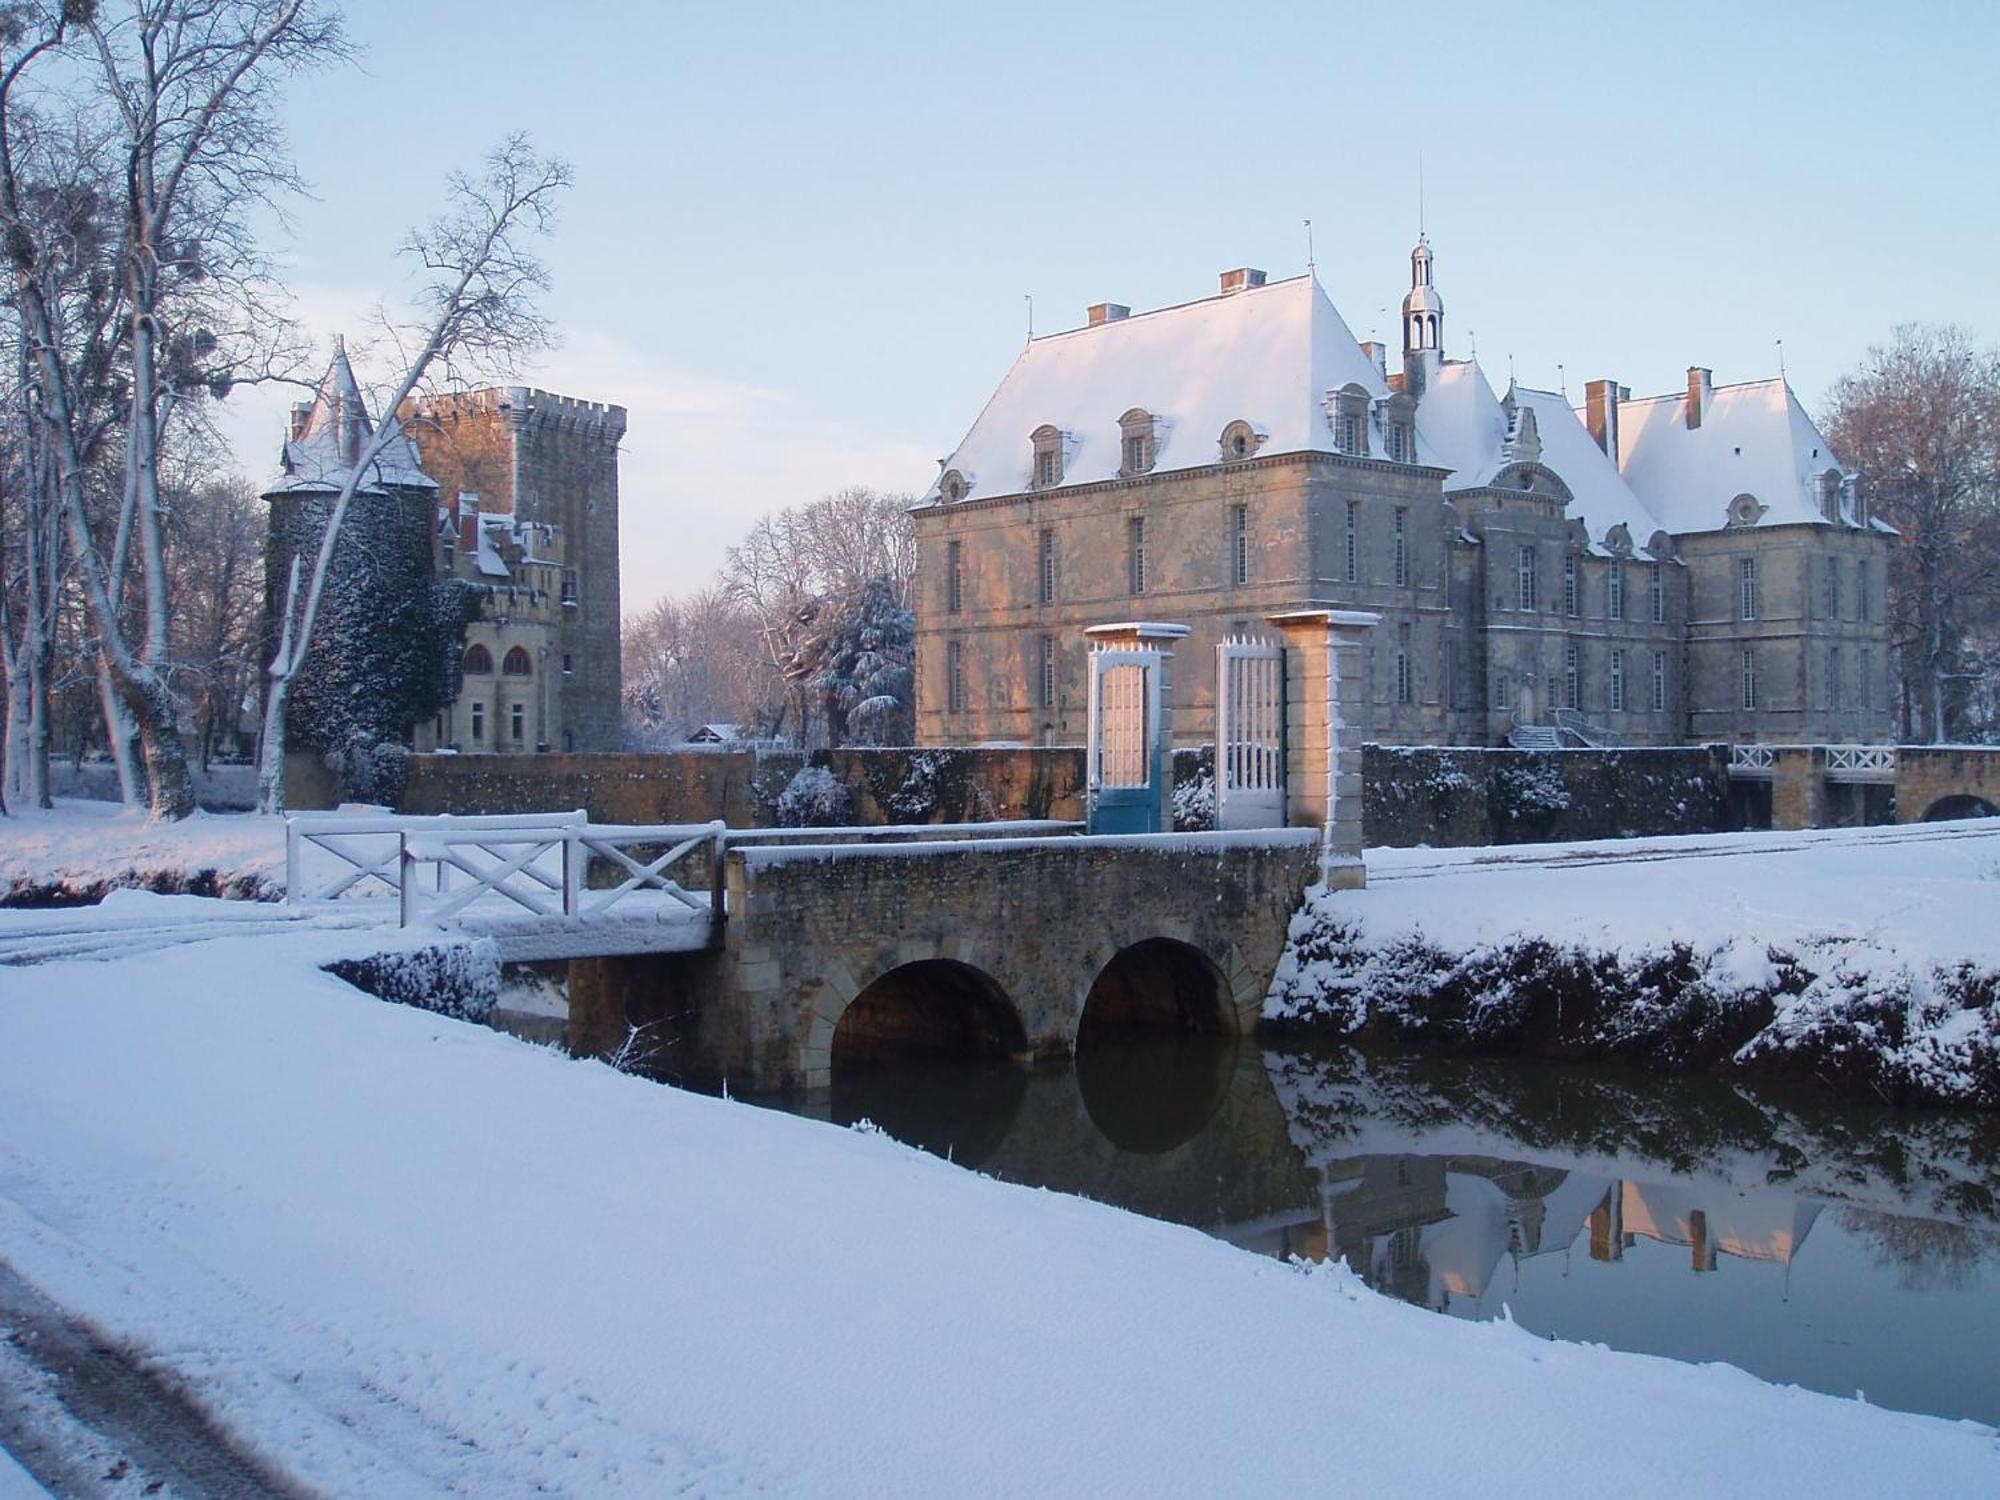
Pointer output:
x,y
1155,1046
931,1053
1960,805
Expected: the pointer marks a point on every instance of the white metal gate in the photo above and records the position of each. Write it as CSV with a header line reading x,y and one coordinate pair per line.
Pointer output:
x,y
1249,734
1124,757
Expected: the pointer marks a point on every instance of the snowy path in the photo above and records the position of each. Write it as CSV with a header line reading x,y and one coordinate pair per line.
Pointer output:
x,y
396,1255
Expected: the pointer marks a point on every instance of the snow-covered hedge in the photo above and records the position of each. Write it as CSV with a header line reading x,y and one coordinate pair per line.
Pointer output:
x,y
814,798
1839,1009
454,977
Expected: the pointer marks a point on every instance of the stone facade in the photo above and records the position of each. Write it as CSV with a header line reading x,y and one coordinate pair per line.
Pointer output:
x,y
1527,568
528,507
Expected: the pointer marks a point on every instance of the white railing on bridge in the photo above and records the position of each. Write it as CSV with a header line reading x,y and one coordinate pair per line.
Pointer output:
x,y
1758,762
444,868
1860,762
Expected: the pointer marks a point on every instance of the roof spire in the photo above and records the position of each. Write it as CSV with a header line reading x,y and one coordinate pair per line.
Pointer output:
x,y
1423,321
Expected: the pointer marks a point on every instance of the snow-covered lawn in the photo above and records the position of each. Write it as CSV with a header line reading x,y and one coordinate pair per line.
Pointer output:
x,y
88,846
395,1254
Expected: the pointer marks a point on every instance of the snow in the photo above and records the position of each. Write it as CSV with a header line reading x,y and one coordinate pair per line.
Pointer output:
x,y
1754,439
337,428
15,1482
1268,356
82,844
394,1254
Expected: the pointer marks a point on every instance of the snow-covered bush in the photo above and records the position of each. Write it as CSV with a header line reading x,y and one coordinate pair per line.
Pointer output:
x,y
1194,803
457,978
814,798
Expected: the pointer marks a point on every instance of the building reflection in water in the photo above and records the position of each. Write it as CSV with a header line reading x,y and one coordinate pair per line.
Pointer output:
x,y
1436,1230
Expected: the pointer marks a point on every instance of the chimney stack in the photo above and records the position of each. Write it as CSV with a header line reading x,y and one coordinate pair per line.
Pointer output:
x,y
1378,356
1108,312
1600,414
1242,279
1699,383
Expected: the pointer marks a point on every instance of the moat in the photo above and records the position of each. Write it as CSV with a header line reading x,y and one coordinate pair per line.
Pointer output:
x,y
1842,1249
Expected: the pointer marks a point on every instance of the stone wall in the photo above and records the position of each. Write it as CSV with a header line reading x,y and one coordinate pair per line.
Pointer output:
x,y
745,788
1456,797
1927,775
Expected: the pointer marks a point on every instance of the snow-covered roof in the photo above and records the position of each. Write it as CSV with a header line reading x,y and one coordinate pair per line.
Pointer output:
x,y
1754,439
336,428
1267,355
1467,427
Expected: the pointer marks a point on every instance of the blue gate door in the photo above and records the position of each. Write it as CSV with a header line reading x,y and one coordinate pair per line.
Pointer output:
x,y
1126,758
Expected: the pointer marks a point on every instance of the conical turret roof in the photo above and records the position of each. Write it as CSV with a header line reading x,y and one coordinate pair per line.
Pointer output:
x,y
335,430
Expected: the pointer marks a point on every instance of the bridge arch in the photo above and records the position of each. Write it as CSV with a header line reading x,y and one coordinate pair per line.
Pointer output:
x,y
1959,805
1157,985
1156,1045
925,1007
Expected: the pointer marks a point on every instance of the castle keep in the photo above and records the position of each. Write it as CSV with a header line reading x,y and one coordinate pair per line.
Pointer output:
x,y
1683,568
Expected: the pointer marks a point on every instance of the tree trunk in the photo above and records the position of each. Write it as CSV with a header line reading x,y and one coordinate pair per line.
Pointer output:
x,y
119,736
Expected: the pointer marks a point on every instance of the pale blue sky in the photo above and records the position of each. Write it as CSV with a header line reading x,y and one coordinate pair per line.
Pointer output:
x,y
801,235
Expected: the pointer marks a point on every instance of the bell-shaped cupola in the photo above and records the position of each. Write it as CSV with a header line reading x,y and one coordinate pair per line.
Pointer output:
x,y
1423,322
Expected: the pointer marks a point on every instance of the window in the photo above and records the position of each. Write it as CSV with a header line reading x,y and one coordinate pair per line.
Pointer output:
x,y
1572,599
1833,588
1748,673
478,723
1350,433
569,587
1239,543
954,671
1048,567
1135,455
1136,553
1500,690
1354,541
1399,442
1833,694
1656,595
478,661
1659,682
1048,671
1570,676
1615,684
1614,590
517,722
569,665
1863,609
517,663
1402,664
1528,581
1746,589
1867,681
954,577
1402,546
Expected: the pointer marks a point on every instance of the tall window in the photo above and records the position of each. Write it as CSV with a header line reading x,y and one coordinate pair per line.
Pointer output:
x,y
1501,691
1615,690
1656,595
1572,599
1350,433
1746,588
1867,680
1045,467
1239,543
1864,608
569,587
517,724
1833,588
517,663
1048,671
954,672
1402,664
954,576
1399,441
1528,580
1135,558
1748,672
478,723
1354,541
1402,546
1136,461
478,661
1048,567
1614,590
1659,682
1570,676
1833,678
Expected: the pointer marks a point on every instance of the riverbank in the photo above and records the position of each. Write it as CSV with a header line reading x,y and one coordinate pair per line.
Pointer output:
x,y
1865,959
390,1253
79,851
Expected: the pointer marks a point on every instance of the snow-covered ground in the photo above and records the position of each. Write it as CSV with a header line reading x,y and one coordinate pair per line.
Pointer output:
x,y
87,846
395,1254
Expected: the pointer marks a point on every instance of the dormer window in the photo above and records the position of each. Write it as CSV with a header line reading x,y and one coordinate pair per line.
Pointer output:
x,y
1239,440
952,487
1744,510
1829,495
1137,445
1347,408
1048,470
1399,443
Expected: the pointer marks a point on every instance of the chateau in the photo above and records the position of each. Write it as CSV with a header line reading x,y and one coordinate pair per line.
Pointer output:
x,y
511,489
1690,567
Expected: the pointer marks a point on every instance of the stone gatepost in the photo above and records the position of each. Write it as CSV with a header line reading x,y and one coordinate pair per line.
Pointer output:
x,y
1798,788
1160,638
1326,720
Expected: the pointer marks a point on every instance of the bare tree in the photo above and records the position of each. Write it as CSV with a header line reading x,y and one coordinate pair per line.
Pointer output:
x,y
1920,419
479,304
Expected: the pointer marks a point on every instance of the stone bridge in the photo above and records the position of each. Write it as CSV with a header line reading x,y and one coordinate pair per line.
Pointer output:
x,y
1946,781
1822,786
837,953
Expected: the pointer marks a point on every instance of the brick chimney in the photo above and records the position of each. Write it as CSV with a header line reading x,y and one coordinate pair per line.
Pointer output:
x,y
1378,356
1600,415
1242,279
1700,383
1108,312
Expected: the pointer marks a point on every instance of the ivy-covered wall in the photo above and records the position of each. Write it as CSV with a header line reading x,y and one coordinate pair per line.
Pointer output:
x,y
1456,797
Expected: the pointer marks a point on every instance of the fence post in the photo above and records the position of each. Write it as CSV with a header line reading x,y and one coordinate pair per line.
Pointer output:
x,y
572,873
292,862
406,879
